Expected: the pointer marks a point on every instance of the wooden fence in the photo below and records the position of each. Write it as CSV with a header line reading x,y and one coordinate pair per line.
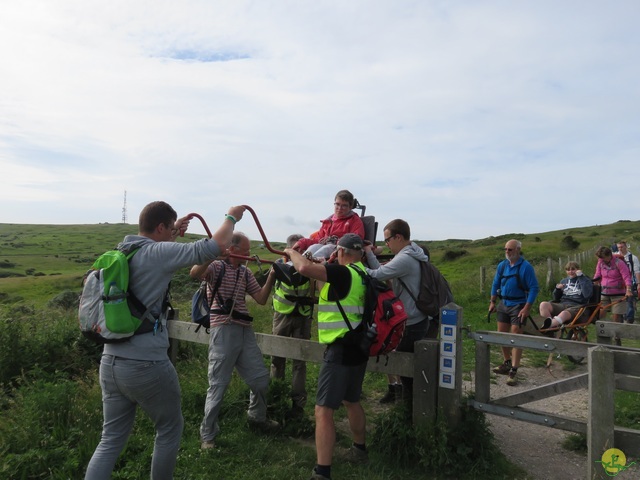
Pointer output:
x,y
422,365
436,367
609,368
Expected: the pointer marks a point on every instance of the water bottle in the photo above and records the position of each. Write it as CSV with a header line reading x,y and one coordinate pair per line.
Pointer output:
x,y
369,338
115,294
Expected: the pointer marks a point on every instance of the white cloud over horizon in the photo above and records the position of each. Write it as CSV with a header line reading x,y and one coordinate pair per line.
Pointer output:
x,y
466,119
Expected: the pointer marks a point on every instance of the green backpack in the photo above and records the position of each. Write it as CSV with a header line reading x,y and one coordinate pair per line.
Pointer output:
x,y
109,312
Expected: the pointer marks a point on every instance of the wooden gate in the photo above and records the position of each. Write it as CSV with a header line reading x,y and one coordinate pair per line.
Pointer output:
x,y
609,368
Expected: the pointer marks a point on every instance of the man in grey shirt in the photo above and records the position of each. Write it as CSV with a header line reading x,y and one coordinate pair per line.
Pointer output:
x,y
138,372
404,267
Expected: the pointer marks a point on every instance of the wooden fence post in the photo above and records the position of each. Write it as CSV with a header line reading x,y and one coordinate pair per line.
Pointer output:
x,y
450,373
600,427
549,272
425,378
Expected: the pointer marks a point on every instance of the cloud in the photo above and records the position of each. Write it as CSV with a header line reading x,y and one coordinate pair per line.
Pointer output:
x,y
466,119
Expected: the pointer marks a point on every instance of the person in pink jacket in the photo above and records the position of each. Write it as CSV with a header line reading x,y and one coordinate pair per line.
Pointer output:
x,y
615,278
344,220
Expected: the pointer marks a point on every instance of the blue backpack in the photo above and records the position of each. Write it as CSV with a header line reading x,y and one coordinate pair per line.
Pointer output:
x,y
200,306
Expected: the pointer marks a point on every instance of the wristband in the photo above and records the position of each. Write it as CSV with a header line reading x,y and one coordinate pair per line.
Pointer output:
x,y
232,218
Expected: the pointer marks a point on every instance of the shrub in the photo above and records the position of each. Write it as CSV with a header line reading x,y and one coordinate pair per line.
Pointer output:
x,y
451,255
570,243
66,300
465,451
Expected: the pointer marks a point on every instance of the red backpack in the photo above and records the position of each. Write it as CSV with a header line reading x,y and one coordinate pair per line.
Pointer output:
x,y
384,317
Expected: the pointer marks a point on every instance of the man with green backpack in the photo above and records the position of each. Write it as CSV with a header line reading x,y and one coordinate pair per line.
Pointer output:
x,y
137,371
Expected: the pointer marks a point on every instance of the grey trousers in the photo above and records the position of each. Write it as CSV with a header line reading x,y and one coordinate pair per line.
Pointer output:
x,y
127,384
234,346
293,326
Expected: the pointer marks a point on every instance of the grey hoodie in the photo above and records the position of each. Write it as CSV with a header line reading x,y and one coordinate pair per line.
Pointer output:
x,y
150,271
404,265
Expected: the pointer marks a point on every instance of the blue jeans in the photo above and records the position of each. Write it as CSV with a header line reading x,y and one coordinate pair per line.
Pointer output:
x,y
127,384
234,346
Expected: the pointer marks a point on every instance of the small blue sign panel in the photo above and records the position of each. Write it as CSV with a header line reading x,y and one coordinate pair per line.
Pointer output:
x,y
449,317
447,362
447,331
446,378
447,346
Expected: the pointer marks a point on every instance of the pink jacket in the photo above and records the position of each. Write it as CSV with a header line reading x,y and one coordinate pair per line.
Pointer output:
x,y
334,226
614,277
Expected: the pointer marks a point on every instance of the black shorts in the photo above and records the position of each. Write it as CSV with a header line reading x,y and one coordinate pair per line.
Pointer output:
x,y
338,382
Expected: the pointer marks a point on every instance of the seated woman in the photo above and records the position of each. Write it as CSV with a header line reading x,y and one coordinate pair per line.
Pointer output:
x,y
570,295
344,220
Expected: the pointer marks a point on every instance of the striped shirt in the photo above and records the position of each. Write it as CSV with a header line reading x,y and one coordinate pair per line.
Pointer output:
x,y
236,284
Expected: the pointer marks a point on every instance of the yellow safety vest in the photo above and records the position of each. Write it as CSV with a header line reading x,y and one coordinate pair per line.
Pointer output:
x,y
331,324
282,304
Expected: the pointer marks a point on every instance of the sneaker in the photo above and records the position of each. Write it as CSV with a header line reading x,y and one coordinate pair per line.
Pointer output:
x,y
207,445
355,455
512,380
546,324
503,369
317,476
267,426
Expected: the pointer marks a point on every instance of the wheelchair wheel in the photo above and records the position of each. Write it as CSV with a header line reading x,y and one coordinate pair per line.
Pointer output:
x,y
577,335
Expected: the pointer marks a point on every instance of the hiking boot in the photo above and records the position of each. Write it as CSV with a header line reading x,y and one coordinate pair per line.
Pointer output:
x,y
207,445
393,394
266,426
355,455
317,476
503,369
512,380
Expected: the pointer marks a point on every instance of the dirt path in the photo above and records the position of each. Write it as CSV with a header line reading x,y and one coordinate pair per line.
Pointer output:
x,y
538,449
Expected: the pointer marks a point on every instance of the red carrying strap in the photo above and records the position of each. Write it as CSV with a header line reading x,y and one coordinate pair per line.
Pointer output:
x,y
262,234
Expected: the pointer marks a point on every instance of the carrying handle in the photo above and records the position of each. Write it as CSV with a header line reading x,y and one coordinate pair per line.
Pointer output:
x,y
262,234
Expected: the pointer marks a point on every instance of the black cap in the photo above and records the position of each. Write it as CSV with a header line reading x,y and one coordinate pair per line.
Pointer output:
x,y
351,241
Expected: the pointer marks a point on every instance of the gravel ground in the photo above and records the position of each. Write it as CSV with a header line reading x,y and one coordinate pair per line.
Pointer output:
x,y
538,449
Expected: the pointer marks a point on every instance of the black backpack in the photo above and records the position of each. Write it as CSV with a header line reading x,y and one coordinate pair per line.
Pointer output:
x,y
434,293
200,306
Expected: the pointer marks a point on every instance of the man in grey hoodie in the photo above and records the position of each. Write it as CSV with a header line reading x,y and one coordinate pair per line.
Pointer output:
x,y
403,266
138,372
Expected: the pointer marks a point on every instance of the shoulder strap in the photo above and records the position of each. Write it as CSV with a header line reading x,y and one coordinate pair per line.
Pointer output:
x,y
362,274
216,286
404,285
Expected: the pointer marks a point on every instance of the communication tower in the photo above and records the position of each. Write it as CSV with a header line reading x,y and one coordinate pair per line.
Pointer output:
x,y
124,208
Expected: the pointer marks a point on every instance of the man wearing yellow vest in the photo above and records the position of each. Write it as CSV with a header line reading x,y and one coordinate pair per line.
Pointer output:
x,y
342,371
293,308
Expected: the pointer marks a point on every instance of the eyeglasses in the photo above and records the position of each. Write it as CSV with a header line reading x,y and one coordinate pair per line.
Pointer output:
x,y
509,249
341,206
570,269
388,239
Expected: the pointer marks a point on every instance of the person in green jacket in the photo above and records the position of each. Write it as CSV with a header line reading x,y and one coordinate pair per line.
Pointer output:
x,y
292,312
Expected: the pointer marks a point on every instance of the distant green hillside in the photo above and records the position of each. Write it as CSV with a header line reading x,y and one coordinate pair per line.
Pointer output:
x,y
39,261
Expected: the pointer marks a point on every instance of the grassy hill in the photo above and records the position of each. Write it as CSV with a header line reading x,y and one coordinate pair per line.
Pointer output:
x,y
39,261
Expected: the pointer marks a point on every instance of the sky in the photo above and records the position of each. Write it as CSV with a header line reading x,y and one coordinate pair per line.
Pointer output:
x,y
467,119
